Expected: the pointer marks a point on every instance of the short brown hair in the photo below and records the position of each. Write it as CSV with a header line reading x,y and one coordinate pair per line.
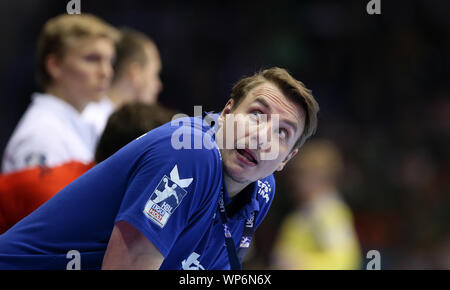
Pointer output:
x,y
60,30
290,87
129,122
130,48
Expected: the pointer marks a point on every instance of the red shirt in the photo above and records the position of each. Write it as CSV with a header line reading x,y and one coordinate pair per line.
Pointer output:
x,y
24,191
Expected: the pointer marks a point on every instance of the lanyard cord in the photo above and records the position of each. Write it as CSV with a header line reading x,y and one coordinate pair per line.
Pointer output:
x,y
236,258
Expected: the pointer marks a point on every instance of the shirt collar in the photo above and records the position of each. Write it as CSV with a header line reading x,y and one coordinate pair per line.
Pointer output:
x,y
58,104
252,205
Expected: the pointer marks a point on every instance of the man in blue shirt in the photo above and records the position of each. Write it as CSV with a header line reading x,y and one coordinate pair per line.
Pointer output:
x,y
158,205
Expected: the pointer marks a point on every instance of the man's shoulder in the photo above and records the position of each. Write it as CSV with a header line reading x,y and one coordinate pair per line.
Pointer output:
x,y
166,147
186,137
38,133
38,121
266,189
41,136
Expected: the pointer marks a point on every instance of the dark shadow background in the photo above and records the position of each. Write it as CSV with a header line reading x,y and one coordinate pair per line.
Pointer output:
x,y
382,82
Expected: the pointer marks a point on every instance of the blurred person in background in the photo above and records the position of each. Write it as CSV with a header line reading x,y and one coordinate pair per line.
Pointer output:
x,y
24,191
75,55
319,234
136,77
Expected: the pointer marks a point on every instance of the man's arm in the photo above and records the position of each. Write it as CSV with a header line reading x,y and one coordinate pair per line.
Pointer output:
x,y
129,249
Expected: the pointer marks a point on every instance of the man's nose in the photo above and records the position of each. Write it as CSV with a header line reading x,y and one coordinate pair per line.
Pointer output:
x,y
105,69
261,135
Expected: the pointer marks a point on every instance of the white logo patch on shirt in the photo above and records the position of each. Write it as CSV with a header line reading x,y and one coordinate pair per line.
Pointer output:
x,y
264,189
192,263
166,197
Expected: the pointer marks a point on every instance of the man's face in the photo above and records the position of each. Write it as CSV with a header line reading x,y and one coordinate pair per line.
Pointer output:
x,y
270,125
85,70
148,83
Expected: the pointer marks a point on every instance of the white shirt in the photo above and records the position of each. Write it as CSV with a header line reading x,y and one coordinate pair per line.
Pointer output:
x,y
50,133
97,114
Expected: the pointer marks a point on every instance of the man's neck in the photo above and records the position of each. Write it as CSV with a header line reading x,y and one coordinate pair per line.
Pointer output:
x,y
116,95
233,187
57,92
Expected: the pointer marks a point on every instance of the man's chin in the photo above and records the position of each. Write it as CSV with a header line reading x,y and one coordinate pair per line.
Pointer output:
x,y
96,97
237,175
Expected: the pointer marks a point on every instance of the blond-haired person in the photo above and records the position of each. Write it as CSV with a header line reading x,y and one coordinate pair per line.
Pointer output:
x,y
75,55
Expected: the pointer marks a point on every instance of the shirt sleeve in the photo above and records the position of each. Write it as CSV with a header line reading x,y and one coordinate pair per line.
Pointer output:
x,y
168,190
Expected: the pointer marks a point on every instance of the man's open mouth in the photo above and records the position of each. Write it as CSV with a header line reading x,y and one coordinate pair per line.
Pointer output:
x,y
249,156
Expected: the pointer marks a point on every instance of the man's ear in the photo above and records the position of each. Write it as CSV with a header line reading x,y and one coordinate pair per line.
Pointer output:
x,y
53,66
134,73
286,160
227,109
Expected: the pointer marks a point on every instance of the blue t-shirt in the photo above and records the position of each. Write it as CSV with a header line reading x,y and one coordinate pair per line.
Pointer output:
x,y
170,194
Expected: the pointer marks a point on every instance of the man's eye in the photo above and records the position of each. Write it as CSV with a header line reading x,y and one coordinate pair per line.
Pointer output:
x,y
283,134
92,57
256,113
